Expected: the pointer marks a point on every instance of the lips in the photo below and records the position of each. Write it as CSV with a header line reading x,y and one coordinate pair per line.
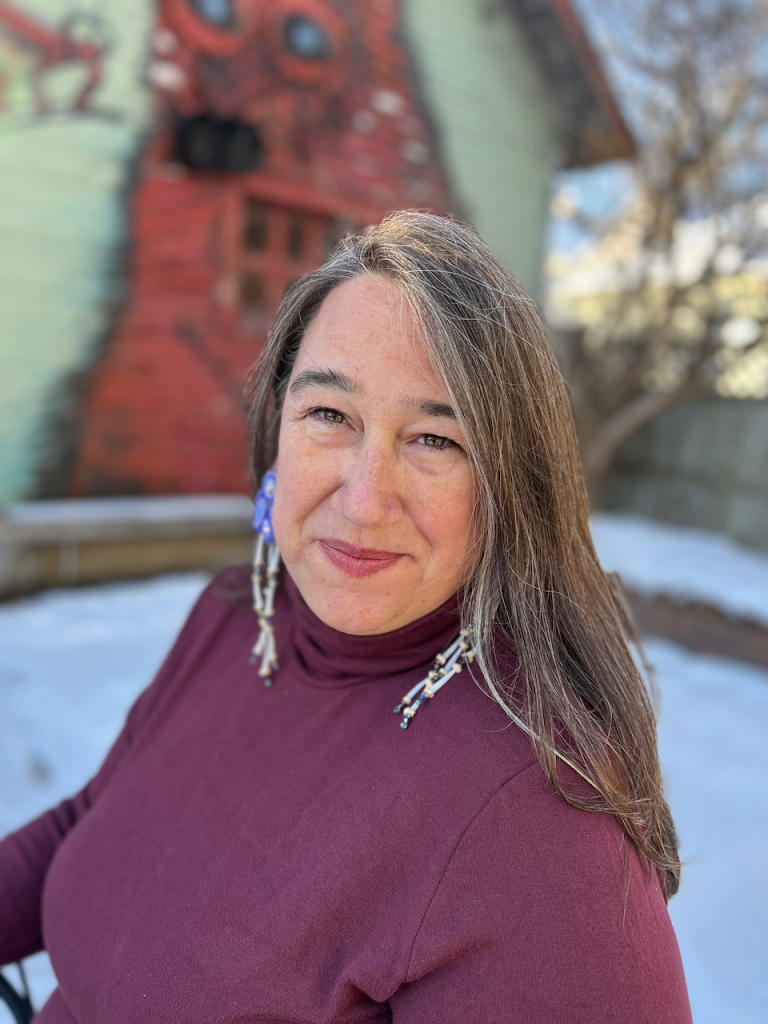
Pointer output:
x,y
355,561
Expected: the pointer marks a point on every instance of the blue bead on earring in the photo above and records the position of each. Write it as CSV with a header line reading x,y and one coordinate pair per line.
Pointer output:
x,y
262,511
264,598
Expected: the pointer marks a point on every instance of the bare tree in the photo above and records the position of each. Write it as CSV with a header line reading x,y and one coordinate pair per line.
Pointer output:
x,y
663,322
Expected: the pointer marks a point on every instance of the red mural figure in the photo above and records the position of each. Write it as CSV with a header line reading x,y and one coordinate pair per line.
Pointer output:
x,y
79,40
282,125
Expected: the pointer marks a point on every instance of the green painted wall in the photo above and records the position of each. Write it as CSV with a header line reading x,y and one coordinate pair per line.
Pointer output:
x,y
497,135
61,212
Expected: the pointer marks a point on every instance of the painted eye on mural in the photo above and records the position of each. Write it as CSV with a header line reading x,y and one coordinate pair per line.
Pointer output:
x,y
216,12
305,38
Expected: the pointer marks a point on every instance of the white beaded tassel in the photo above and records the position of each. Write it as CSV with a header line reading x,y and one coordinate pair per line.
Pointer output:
x,y
264,606
447,664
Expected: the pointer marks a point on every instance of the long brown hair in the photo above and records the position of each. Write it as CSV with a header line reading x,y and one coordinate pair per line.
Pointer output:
x,y
537,585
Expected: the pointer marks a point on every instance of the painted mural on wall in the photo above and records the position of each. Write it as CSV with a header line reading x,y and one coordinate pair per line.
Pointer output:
x,y
167,167
73,106
282,124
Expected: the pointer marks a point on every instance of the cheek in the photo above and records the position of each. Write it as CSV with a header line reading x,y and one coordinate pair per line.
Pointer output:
x,y
302,484
444,514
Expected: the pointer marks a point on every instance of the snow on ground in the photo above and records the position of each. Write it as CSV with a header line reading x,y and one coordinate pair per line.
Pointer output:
x,y
712,739
655,558
71,663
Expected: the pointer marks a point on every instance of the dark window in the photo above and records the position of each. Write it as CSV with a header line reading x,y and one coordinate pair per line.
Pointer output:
x,y
296,236
206,143
216,12
305,38
256,228
252,290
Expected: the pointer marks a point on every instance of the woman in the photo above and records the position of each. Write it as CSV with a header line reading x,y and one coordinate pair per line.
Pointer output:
x,y
287,853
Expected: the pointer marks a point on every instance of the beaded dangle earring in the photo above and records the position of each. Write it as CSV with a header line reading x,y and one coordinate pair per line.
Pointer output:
x,y
447,664
264,598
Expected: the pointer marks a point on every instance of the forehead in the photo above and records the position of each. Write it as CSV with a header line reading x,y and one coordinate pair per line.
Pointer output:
x,y
365,328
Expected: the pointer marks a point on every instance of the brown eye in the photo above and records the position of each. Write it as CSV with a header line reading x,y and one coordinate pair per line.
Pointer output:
x,y
331,416
433,441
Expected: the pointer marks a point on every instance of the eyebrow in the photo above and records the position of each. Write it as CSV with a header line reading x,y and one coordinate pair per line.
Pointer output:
x,y
426,407
338,381
323,379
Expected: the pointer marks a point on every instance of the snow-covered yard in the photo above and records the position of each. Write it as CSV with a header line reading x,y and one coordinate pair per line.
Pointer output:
x,y
684,565
71,662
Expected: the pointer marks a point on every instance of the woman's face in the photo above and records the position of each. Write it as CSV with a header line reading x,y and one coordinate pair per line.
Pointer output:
x,y
373,509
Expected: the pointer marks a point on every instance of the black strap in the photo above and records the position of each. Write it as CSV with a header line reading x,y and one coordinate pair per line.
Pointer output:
x,y
19,1005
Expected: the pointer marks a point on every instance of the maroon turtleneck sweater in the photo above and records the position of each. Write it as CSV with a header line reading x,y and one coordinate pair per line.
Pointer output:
x,y
291,855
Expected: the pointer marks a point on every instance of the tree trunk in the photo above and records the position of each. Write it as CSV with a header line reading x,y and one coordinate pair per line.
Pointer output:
x,y
599,454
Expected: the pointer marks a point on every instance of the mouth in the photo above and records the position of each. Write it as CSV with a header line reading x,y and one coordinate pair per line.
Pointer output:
x,y
355,561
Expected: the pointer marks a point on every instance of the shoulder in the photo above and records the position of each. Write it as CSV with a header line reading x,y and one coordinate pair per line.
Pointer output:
x,y
226,598
514,824
554,911
528,832
218,621
522,819
222,605
523,849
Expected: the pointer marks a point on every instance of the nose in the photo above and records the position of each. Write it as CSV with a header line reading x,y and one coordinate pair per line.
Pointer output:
x,y
371,488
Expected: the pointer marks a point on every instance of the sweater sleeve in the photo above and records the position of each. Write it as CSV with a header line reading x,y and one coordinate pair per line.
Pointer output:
x,y
26,854
544,915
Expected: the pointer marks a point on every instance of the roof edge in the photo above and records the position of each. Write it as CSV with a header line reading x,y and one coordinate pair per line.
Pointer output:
x,y
591,125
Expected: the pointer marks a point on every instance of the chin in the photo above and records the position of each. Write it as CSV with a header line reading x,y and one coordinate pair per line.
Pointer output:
x,y
355,607
373,604
354,613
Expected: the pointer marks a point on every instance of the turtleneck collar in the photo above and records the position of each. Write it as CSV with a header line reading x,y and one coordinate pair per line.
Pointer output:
x,y
326,657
